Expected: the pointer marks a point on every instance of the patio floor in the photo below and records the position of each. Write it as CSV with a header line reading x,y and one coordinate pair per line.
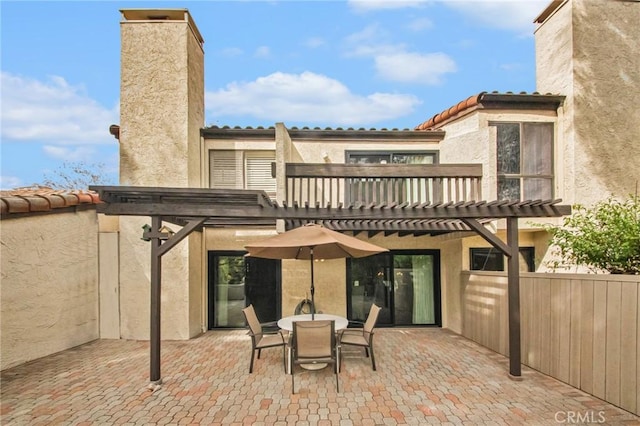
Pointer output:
x,y
424,376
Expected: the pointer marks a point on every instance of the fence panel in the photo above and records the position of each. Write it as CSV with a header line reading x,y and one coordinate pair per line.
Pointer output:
x,y
581,329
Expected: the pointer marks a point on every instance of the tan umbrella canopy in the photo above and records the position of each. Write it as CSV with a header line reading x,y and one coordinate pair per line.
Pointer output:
x,y
311,242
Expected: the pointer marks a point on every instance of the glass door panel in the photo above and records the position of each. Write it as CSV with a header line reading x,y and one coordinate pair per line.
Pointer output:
x,y
414,290
368,283
228,291
262,288
236,281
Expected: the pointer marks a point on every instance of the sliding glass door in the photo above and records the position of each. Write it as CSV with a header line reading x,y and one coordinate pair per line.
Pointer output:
x,y
406,284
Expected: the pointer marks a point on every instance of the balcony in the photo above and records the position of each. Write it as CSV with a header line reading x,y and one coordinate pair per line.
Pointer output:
x,y
335,185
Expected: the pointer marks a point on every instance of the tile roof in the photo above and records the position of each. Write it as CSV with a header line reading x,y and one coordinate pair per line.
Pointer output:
x,y
493,100
316,128
43,199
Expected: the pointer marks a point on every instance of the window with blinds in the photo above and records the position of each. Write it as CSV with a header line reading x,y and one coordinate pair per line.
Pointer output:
x,y
242,170
525,161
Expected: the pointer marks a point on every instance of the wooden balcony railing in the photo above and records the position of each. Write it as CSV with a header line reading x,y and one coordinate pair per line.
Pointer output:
x,y
327,185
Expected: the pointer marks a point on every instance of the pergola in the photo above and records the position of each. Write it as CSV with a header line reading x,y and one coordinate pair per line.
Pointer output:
x,y
196,208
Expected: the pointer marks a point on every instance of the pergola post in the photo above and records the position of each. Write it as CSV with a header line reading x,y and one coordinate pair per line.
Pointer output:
x,y
513,290
156,273
156,234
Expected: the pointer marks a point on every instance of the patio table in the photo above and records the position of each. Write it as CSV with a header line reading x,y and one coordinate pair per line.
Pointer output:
x,y
286,323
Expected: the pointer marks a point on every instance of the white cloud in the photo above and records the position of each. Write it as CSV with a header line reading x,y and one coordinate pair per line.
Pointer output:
x,y
415,67
262,52
394,62
231,51
373,5
53,112
70,153
420,24
307,98
513,15
511,67
371,41
314,42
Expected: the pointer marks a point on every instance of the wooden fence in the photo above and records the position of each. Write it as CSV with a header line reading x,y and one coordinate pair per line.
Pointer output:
x,y
581,329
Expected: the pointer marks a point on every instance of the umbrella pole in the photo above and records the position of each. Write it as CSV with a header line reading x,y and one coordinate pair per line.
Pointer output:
x,y
313,290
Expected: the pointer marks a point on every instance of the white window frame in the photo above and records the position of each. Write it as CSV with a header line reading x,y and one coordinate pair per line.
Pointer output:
x,y
522,177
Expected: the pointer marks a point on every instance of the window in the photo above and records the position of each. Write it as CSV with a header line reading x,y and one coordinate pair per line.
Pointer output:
x,y
397,190
384,157
242,170
491,259
525,161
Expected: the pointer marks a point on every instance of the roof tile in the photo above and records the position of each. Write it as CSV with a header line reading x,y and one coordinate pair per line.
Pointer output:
x,y
43,199
485,99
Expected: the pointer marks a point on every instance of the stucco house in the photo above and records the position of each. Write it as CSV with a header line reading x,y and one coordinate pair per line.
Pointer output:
x,y
574,139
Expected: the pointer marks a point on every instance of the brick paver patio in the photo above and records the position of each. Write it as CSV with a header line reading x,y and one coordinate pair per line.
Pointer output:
x,y
424,376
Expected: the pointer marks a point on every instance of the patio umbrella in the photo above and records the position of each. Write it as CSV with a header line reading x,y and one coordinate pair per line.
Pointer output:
x,y
312,241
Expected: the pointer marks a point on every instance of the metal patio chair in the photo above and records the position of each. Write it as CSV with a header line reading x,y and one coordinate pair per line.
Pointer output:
x,y
314,342
262,339
363,337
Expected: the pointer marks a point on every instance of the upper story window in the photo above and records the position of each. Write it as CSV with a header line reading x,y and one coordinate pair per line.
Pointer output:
x,y
397,190
525,161
233,169
384,157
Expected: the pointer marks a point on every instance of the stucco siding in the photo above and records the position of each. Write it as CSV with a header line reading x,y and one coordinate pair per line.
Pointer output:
x,y
153,115
588,51
135,266
109,285
606,38
195,114
197,283
554,74
450,260
49,299
161,114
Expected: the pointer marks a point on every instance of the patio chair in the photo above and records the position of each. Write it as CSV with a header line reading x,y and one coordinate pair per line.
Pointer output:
x,y
363,337
314,342
261,339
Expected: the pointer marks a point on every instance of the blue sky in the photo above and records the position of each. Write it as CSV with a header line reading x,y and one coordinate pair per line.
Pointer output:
x,y
372,64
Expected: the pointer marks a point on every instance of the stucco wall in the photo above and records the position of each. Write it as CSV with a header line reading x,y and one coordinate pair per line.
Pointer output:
x,y
451,265
471,139
109,285
49,299
588,51
161,114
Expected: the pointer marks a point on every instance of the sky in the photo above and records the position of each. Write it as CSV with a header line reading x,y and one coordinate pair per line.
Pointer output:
x,y
372,64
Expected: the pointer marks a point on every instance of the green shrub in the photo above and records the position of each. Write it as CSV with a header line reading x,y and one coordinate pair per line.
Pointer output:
x,y
603,237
